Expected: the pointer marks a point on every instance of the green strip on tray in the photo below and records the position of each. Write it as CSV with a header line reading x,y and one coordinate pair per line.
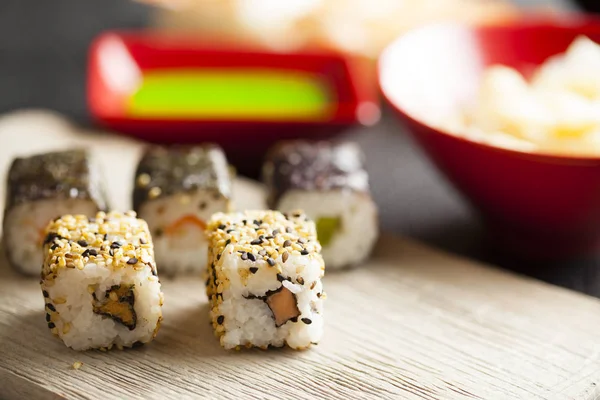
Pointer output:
x,y
234,95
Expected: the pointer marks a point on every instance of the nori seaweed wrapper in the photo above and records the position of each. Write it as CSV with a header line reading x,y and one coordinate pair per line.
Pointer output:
x,y
314,166
164,171
56,175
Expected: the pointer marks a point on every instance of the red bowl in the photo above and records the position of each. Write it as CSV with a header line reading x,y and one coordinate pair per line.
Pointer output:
x,y
536,205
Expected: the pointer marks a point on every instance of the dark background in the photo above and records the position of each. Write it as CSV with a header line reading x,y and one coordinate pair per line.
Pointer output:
x,y
43,47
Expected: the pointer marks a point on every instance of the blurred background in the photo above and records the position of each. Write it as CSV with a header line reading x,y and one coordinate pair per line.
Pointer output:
x,y
43,57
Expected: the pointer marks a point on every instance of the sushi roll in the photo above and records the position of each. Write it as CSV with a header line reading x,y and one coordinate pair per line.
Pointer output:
x,y
264,280
329,182
39,189
99,281
176,191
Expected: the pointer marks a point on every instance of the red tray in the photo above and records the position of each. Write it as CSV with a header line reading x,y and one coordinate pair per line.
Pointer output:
x,y
117,59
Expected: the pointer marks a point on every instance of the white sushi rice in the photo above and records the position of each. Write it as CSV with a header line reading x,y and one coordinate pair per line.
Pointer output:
x,y
88,330
86,261
23,226
251,320
187,249
358,232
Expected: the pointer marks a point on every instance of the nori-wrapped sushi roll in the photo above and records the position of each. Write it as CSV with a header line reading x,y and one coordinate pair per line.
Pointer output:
x,y
177,189
40,188
329,182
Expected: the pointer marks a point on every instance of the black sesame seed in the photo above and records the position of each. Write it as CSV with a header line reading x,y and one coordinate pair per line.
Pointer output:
x,y
222,226
132,261
93,252
256,241
51,325
106,236
285,256
227,242
307,321
294,319
275,232
287,243
115,245
45,293
280,278
86,253
111,252
244,222
253,270
251,257
271,262
300,280
48,317
319,295
301,241
54,246
82,243
220,319
50,307
256,222
244,256
304,252
289,230
230,230
51,236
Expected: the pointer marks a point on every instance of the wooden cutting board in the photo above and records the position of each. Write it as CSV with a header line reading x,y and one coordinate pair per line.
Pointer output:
x,y
412,323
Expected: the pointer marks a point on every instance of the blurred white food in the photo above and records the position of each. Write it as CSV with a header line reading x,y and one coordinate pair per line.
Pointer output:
x,y
359,26
557,112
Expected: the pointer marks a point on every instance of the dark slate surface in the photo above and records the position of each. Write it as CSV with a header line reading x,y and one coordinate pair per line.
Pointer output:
x,y
42,64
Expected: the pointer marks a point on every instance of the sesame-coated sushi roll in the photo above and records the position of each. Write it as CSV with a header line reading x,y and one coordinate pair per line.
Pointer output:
x,y
99,281
329,182
39,189
264,280
176,191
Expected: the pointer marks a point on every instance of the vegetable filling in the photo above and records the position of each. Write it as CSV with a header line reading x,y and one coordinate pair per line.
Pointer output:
x,y
118,304
327,227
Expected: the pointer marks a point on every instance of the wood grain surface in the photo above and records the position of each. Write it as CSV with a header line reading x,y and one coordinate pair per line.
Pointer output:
x,y
412,323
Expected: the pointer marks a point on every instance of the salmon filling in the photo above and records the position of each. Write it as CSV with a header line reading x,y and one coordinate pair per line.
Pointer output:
x,y
283,305
181,226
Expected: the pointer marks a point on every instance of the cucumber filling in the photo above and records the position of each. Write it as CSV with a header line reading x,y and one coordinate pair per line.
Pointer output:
x,y
327,227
